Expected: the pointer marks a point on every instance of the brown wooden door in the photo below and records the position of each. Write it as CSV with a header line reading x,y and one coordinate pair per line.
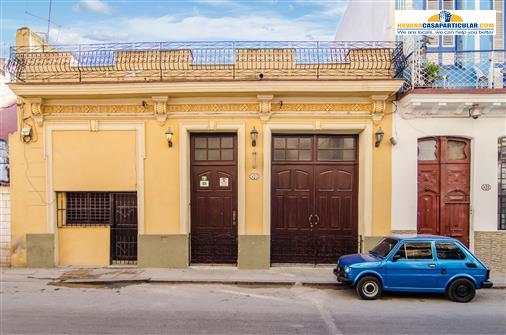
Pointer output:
x,y
314,198
444,187
213,233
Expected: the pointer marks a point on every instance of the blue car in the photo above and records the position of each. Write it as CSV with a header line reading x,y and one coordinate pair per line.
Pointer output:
x,y
421,263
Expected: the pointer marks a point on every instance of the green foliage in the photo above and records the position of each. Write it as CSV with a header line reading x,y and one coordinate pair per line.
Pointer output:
x,y
432,72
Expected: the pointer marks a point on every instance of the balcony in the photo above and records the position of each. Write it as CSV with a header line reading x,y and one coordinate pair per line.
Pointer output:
x,y
206,61
456,70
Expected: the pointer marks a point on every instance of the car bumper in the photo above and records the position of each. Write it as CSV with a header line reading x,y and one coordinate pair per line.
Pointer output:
x,y
341,277
487,284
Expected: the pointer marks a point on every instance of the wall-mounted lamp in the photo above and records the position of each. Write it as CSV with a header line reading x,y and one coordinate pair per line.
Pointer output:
x,y
475,111
379,137
169,134
254,135
26,134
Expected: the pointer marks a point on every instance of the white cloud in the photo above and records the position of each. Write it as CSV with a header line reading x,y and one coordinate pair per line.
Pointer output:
x,y
197,27
97,6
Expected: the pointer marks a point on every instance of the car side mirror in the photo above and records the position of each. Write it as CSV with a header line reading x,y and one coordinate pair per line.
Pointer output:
x,y
396,258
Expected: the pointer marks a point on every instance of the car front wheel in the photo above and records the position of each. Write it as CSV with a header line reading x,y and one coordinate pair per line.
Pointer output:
x,y
369,288
461,290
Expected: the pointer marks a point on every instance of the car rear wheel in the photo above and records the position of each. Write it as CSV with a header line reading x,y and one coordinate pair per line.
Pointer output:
x,y
369,288
461,290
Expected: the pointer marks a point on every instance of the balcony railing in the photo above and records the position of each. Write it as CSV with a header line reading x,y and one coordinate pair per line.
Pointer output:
x,y
456,70
210,61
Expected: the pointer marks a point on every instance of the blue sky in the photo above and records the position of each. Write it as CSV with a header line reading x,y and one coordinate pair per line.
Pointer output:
x,y
96,21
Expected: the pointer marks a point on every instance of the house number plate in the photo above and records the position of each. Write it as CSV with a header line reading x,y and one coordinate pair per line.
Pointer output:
x,y
486,187
254,176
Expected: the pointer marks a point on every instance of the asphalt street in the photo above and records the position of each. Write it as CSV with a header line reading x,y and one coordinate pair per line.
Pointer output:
x,y
34,307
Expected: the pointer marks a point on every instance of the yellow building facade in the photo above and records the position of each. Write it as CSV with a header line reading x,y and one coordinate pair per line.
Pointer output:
x,y
276,164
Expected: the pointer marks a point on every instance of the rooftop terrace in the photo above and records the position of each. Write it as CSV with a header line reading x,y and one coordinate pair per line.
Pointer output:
x,y
206,61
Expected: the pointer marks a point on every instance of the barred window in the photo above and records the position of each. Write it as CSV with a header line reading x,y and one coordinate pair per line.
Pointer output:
x,y
4,162
501,187
84,208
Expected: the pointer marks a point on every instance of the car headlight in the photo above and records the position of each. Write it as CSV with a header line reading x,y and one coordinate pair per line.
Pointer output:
x,y
347,269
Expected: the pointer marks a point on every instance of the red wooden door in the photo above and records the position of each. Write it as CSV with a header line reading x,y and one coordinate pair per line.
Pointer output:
x,y
444,187
314,198
214,198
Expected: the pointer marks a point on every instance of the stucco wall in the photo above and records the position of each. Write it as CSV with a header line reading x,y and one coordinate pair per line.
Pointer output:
x,y
483,132
96,158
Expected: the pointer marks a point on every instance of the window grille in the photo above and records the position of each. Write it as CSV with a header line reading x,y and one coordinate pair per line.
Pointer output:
x,y
501,189
84,209
4,162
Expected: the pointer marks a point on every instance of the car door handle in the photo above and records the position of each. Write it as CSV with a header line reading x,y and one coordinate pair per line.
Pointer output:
x,y
432,266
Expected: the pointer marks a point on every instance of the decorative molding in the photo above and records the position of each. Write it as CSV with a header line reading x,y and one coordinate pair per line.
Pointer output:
x,y
98,109
36,108
265,105
173,89
212,108
439,105
328,107
378,107
160,108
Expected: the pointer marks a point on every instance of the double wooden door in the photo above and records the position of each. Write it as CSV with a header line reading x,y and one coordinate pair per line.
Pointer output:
x,y
314,198
213,234
444,186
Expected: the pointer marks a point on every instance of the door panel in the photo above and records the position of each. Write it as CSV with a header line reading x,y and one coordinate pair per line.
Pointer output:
x,y
124,227
293,195
213,199
444,187
314,198
336,211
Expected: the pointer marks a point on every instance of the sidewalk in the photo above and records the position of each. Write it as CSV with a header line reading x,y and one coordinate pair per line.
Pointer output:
x,y
317,276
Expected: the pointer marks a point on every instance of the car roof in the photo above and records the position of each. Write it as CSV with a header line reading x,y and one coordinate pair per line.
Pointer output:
x,y
422,237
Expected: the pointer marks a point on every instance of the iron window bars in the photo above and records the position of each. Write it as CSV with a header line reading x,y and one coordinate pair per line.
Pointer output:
x,y
501,187
85,209
189,61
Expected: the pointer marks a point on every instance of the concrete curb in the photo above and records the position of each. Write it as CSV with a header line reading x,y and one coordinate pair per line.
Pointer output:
x,y
105,282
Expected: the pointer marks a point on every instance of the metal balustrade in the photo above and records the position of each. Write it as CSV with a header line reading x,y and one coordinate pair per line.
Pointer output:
x,y
456,70
190,61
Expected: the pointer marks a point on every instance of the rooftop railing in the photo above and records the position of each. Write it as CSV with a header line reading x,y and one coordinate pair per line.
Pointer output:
x,y
213,61
456,70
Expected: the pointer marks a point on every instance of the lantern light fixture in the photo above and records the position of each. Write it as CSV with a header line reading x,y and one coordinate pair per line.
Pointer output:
x,y
169,134
254,135
379,136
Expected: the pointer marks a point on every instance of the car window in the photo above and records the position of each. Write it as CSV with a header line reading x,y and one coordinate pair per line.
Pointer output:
x,y
414,250
383,248
449,250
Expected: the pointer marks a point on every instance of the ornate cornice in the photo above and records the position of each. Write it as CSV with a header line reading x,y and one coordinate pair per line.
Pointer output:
x,y
327,107
97,109
264,108
212,108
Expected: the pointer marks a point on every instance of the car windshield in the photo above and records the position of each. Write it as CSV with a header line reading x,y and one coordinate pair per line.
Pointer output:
x,y
384,247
